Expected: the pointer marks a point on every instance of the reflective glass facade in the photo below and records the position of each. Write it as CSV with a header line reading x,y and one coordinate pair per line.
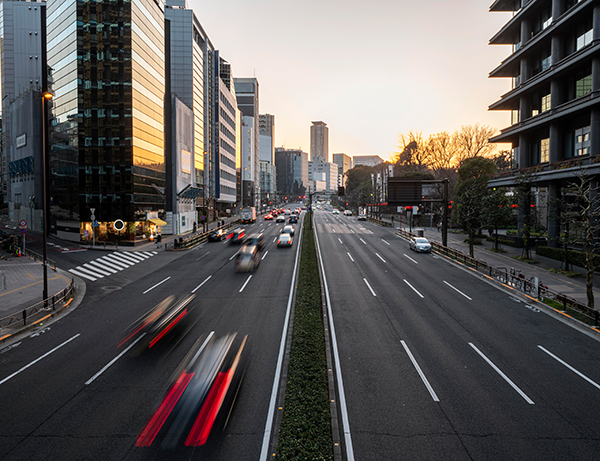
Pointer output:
x,y
107,142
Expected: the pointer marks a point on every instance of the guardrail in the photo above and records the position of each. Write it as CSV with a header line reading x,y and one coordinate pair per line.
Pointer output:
x,y
515,279
380,222
196,239
37,257
40,310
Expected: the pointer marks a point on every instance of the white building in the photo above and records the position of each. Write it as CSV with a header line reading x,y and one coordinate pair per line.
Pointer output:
x,y
324,171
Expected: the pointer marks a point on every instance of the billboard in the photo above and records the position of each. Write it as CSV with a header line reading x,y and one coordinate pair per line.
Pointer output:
x,y
404,191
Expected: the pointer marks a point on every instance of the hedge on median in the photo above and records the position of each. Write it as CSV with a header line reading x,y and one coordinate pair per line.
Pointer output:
x,y
305,431
577,258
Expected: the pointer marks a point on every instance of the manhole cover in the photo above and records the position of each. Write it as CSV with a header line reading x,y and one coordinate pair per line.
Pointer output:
x,y
111,288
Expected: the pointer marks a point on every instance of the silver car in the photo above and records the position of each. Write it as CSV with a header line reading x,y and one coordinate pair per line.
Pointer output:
x,y
420,244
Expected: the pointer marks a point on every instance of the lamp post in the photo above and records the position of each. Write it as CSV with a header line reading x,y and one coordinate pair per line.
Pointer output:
x,y
46,96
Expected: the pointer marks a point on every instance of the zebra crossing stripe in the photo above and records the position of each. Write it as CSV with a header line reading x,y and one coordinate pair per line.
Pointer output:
x,y
81,274
149,253
94,270
127,258
103,267
89,272
123,261
131,255
139,253
110,263
118,261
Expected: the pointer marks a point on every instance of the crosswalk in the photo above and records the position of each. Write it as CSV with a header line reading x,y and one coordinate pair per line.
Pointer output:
x,y
110,264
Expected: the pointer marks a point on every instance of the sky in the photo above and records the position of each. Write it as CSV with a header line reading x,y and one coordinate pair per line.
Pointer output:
x,y
370,70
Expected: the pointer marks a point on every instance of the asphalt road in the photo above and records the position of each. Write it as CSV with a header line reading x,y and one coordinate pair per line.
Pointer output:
x,y
58,399
439,364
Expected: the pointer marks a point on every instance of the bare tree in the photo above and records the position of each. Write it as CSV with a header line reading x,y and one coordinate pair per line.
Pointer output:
x,y
411,155
473,141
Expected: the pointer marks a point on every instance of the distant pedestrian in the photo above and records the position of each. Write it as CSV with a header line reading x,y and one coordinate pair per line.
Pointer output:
x,y
439,224
392,221
194,226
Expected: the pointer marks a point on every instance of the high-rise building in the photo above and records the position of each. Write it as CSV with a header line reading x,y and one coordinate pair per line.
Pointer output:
x,y
22,67
554,101
344,163
268,178
292,171
318,170
319,141
246,90
107,139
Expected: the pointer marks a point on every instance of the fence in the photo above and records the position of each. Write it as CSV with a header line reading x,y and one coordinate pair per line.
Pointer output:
x,y
518,281
40,310
37,257
196,239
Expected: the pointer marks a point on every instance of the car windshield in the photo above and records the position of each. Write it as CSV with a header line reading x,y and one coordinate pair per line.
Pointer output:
x,y
422,240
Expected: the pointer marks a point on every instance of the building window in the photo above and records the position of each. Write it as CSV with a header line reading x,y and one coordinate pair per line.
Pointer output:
x,y
584,34
544,150
582,140
515,116
546,100
583,86
515,157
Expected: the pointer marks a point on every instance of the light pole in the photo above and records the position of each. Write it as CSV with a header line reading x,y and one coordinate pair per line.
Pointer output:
x,y
46,96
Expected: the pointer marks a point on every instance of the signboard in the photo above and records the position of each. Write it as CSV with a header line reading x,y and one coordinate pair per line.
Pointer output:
x,y
21,140
23,231
404,191
186,162
22,223
119,225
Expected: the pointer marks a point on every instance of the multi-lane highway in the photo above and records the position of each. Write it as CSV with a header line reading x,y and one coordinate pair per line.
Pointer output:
x,y
433,362
439,364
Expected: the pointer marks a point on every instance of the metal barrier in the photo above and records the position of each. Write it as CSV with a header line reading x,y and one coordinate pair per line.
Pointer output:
x,y
37,257
515,279
34,313
197,239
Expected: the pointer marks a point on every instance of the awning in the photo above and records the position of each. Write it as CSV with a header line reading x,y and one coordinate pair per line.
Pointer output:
x,y
158,222
191,192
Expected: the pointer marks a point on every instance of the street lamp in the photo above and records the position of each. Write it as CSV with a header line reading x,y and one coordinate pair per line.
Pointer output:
x,y
46,96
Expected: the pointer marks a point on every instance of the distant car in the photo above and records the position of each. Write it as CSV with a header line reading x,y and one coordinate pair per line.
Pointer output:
x,y
256,240
237,236
280,218
285,240
268,217
293,219
336,211
217,235
362,217
420,245
247,259
288,230
347,212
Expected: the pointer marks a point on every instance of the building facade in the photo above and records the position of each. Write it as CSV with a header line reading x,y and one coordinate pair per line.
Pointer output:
x,y
268,178
107,138
344,163
319,170
292,172
246,90
368,160
319,141
554,101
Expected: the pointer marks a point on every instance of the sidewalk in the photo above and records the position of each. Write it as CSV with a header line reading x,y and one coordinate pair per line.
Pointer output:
x,y
572,287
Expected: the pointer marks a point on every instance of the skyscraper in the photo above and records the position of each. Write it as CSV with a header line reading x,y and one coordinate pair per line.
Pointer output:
x,y
344,163
319,141
107,143
246,90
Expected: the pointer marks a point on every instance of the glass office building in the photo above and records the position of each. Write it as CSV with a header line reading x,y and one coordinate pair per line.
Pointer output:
x,y
107,73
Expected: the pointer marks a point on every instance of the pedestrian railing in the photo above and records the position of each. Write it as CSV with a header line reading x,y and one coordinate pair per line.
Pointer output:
x,y
197,238
516,280
37,257
39,311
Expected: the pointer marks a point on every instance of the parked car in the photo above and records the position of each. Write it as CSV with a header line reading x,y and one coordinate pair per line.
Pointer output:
x,y
256,240
217,235
420,244
288,230
247,259
285,240
237,236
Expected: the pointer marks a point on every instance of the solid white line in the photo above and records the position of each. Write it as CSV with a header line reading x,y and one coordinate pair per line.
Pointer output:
x,y
421,374
458,291
81,274
152,288
246,283
351,257
414,289
340,240
362,241
110,264
95,270
593,383
264,455
411,259
198,259
264,255
102,266
38,359
234,255
336,359
194,290
372,292
513,385
380,257
387,243
89,381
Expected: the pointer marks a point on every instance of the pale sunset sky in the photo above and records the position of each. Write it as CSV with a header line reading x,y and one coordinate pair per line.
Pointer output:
x,y
370,70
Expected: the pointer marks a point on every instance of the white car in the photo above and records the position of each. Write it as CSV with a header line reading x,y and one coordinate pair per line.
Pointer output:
x,y
362,217
280,218
347,212
420,244
336,211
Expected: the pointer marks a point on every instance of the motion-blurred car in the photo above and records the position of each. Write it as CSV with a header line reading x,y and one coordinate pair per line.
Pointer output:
x,y
285,240
199,400
420,244
347,212
293,219
247,259
288,230
268,217
217,235
257,240
362,217
280,218
157,323
237,236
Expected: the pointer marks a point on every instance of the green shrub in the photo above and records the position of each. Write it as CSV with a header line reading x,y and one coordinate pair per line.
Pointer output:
x,y
577,258
510,243
305,431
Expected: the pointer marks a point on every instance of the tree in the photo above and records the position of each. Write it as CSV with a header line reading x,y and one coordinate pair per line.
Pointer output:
x,y
470,191
473,141
581,210
359,187
412,155
528,217
497,211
